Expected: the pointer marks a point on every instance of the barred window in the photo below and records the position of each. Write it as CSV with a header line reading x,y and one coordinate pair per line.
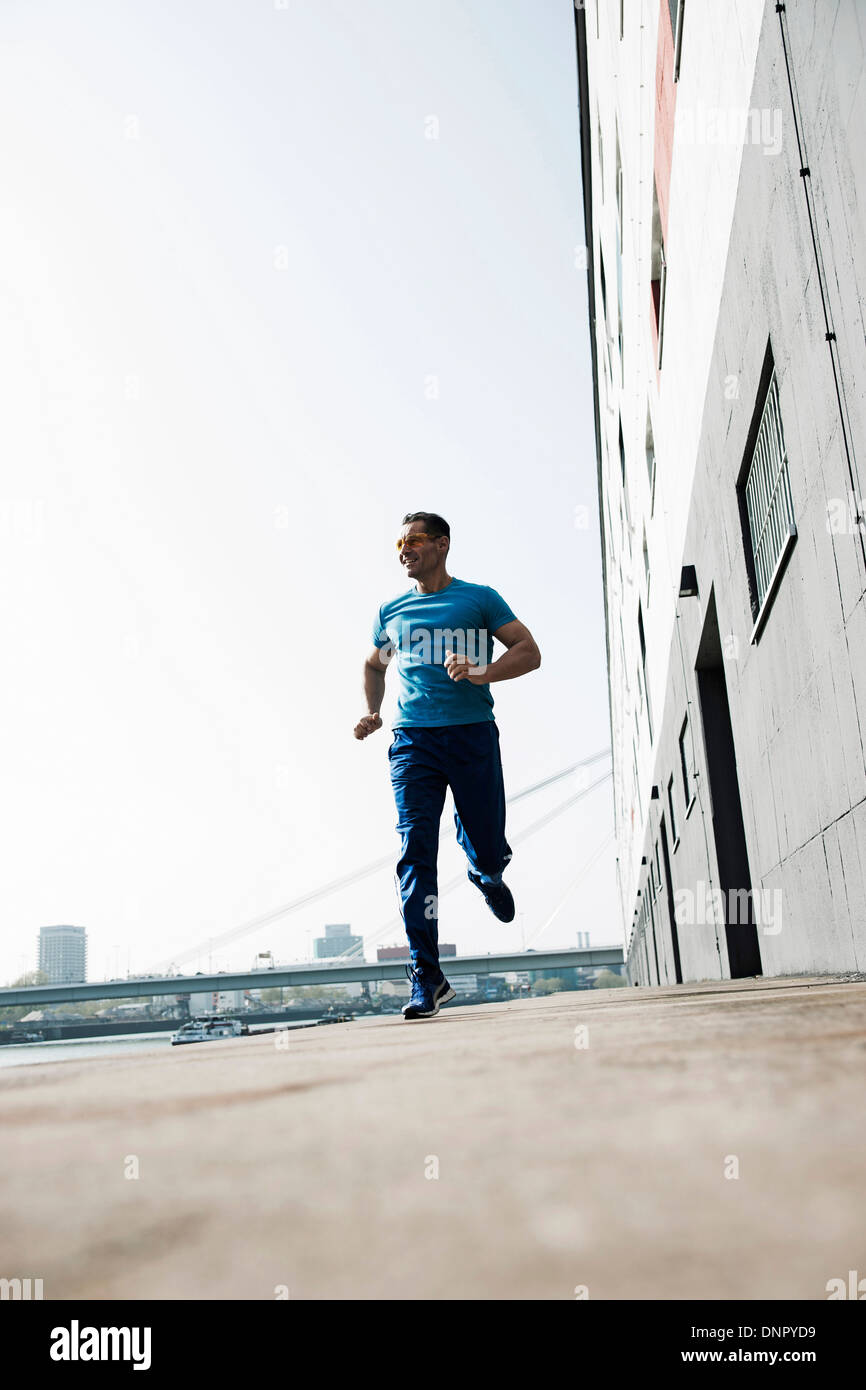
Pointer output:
x,y
767,495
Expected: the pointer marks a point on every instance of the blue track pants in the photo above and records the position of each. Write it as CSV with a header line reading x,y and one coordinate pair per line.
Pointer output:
x,y
424,763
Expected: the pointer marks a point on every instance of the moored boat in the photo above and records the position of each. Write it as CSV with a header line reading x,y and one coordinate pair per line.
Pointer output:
x,y
207,1027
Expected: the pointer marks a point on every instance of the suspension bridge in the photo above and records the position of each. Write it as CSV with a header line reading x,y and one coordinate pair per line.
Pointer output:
x,y
350,966
230,937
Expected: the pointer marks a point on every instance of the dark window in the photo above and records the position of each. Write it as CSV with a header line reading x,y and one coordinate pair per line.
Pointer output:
x,y
684,762
658,272
642,640
676,8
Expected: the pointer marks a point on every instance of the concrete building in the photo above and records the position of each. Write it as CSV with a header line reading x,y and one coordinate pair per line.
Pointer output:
x,y
218,1001
446,948
724,176
63,954
465,984
401,987
337,941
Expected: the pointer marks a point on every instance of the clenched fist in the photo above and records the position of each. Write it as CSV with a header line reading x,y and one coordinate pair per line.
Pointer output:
x,y
460,668
368,725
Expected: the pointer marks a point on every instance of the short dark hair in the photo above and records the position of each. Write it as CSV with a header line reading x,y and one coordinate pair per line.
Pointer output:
x,y
436,525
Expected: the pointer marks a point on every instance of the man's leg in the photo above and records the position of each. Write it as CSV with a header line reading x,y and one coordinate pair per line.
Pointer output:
x,y
419,783
478,787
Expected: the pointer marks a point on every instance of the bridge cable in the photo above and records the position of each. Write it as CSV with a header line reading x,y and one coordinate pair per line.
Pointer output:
x,y
348,880
525,834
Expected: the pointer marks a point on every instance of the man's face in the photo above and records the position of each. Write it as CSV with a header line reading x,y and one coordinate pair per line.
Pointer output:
x,y
419,557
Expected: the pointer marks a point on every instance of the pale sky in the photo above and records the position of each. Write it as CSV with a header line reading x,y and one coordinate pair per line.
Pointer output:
x,y
273,275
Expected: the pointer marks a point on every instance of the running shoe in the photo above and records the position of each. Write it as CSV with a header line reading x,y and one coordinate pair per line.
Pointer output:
x,y
426,999
497,897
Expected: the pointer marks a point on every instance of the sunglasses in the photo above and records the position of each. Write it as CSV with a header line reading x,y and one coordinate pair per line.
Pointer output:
x,y
415,539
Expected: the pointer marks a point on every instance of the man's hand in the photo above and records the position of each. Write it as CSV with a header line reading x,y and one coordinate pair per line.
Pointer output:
x,y
368,725
460,668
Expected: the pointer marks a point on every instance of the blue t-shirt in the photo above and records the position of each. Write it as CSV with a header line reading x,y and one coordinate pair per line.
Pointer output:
x,y
420,629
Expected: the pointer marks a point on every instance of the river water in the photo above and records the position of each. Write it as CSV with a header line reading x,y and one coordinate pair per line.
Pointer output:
x,y
81,1049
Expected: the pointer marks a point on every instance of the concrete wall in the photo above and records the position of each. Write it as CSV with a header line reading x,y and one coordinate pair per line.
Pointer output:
x,y
624,88
798,693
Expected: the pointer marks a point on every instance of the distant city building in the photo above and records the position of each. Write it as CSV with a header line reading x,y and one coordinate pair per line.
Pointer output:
x,y
571,976
233,1000
338,941
465,984
402,952
206,1002
63,955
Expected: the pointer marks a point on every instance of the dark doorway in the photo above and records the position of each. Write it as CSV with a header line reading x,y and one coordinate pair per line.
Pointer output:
x,y
651,925
744,953
669,894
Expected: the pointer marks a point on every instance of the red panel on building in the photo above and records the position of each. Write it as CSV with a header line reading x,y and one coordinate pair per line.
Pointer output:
x,y
666,100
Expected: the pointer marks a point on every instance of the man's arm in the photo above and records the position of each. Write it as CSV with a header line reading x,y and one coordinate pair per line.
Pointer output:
x,y
374,691
522,656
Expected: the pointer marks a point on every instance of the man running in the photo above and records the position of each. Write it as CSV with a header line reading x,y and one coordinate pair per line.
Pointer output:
x,y
442,630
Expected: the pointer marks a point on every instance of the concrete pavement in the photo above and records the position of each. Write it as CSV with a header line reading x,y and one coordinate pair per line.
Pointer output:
x,y
704,1141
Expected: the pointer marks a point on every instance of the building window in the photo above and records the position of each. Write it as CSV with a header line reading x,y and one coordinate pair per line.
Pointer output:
x,y
642,641
650,447
604,321
688,791
619,252
625,511
764,491
646,566
676,8
658,275
619,189
674,836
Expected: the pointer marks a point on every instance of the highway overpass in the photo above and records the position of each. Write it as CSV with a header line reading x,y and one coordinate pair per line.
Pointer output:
x,y
315,973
